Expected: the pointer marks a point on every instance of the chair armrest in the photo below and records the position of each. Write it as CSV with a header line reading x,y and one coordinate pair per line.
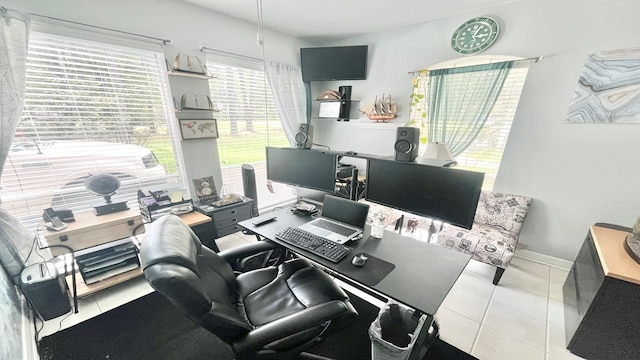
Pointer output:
x,y
289,325
240,252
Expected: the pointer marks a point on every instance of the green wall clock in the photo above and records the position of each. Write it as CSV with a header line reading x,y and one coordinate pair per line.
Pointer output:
x,y
475,35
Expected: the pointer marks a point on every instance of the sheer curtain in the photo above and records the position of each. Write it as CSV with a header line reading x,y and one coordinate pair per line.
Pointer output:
x,y
458,101
289,95
15,240
14,32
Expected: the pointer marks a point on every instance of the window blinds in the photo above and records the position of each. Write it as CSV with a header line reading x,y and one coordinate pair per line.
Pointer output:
x,y
485,153
247,122
89,108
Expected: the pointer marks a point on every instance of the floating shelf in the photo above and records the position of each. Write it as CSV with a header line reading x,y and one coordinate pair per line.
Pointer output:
x,y
188,74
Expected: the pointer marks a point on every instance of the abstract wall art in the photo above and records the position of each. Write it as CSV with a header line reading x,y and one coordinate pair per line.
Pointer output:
x,y
609,89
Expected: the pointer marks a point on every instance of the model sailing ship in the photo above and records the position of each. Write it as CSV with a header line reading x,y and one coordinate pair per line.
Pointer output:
x,y
381,109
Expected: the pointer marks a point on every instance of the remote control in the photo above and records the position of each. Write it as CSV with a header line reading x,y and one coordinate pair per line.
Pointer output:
x,y
265,221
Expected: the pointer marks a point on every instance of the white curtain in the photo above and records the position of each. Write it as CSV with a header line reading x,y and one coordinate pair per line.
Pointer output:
x,y
14,33
289,94
15,240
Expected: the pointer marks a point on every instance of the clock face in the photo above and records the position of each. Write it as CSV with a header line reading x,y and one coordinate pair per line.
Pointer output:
x,y
474,36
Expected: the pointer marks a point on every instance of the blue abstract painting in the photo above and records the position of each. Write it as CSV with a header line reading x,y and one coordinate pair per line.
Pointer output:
x,y
609,89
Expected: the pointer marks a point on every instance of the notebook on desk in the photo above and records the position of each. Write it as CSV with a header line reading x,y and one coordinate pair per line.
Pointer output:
x,y
341,219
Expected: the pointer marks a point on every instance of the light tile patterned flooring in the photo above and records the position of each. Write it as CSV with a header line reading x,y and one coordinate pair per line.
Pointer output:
x,y
521,318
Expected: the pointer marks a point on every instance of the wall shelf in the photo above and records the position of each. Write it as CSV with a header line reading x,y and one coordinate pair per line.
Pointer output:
x,y
188,74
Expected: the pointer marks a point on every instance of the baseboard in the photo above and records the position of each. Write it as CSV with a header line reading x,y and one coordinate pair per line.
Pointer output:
x,y
544,259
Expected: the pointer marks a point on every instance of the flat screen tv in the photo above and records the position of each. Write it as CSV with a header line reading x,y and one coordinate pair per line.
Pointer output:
x,y
306,168
334,63
446,194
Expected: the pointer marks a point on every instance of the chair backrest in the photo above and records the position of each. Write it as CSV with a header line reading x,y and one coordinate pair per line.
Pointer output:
x,y
506,211
193,277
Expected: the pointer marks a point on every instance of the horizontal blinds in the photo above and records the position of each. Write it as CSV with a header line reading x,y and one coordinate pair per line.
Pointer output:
x,y
89,108
247,122
485,153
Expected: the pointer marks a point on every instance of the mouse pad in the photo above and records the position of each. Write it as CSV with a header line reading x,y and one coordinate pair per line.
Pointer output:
x,y
374,270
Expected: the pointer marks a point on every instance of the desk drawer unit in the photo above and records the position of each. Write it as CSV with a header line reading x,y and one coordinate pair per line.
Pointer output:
x,y
226,219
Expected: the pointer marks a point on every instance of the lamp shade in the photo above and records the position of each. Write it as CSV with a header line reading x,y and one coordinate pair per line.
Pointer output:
x,y
438,150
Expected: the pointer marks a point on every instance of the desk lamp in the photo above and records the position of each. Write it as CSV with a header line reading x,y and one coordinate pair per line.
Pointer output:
x,y
440,151
105,185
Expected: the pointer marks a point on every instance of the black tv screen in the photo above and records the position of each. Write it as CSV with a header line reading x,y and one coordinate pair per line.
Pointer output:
x,y
334,63
445,194
302,167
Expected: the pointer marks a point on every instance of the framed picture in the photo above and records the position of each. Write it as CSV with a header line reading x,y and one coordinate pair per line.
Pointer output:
x,y
198,128
205,188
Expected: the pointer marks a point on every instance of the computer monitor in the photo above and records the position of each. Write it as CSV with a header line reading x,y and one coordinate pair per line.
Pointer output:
x,y
306,168
446,194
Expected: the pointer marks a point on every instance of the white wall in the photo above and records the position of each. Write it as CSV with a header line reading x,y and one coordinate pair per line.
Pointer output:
x,y
578,174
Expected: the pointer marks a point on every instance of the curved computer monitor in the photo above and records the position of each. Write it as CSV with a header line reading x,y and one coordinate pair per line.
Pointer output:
x,y
306,168
446,194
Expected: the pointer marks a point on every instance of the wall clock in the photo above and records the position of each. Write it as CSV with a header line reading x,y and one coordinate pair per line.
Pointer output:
x,y
475,35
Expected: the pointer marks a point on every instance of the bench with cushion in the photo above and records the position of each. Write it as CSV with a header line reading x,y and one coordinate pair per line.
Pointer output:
x,y
494,235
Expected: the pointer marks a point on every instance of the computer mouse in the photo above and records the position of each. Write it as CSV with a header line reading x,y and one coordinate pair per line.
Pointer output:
x,y
359,260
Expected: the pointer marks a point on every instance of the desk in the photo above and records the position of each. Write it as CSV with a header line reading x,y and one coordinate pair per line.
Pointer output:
x,y
423,275
90,232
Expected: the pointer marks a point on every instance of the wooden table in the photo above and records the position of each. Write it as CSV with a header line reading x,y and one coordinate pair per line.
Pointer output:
x,y
90,232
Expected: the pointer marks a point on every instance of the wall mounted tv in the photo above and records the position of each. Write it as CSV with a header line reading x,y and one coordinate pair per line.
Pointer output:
x,y
334,63
306,168
440,193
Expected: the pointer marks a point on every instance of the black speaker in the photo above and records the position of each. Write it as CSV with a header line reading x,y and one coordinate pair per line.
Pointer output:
x,y
249,185
407,141
46,290
304,136
345,92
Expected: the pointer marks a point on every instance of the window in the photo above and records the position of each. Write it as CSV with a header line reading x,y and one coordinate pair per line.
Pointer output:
x,y
247,122
485,153
89,108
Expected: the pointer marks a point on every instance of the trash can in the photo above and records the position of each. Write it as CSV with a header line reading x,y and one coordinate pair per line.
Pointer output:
x,y
394,332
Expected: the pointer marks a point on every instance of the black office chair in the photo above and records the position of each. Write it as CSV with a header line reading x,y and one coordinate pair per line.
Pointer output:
x,y
268,313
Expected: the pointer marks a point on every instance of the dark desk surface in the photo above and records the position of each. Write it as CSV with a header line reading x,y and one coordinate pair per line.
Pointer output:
x,y
423,274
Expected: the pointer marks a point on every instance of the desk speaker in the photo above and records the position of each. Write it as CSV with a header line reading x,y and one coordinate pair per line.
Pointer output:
x,y
304,136
249,185
407,142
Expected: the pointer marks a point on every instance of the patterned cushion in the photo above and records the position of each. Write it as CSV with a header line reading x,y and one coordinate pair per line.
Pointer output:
x,y
504,210
488,244
494,235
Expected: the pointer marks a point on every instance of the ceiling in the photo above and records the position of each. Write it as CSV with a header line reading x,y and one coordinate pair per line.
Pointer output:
x,y
327,20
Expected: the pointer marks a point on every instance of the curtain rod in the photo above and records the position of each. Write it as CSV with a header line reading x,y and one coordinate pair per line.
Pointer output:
x,y
534,59
164,41
203,48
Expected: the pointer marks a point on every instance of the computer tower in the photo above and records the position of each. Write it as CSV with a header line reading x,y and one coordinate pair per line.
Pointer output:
x,y
45,290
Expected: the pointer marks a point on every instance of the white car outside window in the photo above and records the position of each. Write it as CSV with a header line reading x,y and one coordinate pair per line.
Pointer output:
x,y
37,175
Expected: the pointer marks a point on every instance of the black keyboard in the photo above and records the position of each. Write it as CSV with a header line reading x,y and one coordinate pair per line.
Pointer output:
x,y
315,244
333,227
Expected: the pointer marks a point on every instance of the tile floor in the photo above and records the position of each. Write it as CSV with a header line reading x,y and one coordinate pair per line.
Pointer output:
x,y
521,318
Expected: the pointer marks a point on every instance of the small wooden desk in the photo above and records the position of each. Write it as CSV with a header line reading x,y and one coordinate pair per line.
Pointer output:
x,y
91,231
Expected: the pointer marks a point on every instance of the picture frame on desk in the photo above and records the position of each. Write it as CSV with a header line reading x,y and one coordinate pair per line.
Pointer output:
x,y
198,129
